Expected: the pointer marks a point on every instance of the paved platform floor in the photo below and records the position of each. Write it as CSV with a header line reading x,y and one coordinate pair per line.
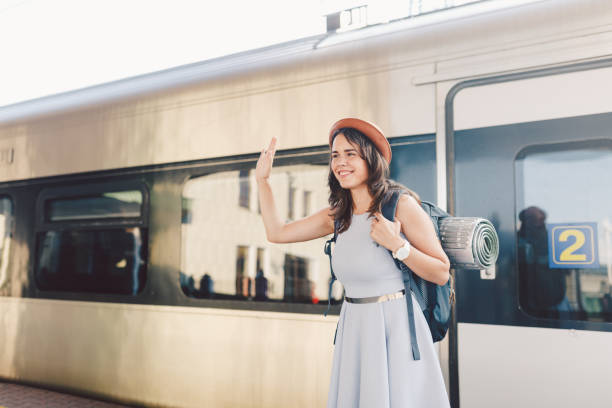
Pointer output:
x,y
20,396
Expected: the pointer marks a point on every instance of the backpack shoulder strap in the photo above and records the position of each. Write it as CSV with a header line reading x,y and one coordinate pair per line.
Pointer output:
x,y
390,206
327,250
388,211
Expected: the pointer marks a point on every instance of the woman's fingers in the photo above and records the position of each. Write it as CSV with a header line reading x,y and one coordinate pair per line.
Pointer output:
x,y
272,146
271,149
380,219
264,164
385,232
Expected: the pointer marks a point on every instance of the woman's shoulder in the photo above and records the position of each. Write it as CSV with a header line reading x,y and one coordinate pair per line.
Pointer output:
x,y
408,206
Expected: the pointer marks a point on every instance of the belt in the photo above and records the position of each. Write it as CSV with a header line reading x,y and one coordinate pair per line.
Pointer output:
x,y
377,299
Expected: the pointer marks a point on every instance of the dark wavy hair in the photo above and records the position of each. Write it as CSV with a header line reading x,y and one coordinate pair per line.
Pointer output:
x,y
380,186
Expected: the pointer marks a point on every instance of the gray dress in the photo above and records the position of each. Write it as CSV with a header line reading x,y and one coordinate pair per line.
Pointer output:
x,y
373,365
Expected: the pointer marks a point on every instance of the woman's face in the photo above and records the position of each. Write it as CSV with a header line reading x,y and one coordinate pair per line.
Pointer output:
x,y
349,168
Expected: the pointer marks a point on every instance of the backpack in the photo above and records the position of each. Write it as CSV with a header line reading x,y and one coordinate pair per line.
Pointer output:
x,y
434,300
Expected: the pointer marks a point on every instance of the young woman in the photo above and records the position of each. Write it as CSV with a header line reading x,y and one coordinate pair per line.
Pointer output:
x,y
373,364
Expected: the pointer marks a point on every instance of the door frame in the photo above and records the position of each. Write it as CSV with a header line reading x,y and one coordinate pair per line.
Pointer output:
x,y
453,368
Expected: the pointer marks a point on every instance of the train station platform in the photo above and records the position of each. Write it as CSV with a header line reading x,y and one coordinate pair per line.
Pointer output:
x,y
21,396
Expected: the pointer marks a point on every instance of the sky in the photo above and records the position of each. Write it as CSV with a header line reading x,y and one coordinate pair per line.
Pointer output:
x,y
48,47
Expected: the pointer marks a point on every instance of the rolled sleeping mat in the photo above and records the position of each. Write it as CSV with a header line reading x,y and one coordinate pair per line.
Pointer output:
x,y
469,242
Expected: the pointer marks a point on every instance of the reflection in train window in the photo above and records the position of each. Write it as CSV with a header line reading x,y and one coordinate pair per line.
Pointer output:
x,y
564,231
245,189
225,253
99,261
291,198
6,223
100,246
120,204
306,207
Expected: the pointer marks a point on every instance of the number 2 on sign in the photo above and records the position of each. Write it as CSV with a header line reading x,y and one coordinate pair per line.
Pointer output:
x,y
568,254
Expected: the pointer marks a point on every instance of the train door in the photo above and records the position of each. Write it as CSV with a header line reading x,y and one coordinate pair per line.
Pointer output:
x,y
534,156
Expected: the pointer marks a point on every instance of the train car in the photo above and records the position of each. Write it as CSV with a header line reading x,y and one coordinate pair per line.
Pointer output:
x,y
134,265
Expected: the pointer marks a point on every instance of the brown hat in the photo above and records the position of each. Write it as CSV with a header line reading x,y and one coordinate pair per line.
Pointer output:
x,y
370,130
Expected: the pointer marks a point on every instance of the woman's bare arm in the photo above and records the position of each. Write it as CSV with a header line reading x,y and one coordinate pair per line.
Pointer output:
x,y
314,226
426,259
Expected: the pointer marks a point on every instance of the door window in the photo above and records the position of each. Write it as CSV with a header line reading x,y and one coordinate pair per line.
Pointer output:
x,y
564,230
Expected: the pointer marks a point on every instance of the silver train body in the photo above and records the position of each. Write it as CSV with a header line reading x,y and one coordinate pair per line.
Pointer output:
x,y
470,104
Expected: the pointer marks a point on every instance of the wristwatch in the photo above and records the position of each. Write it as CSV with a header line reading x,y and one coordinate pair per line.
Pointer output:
x,y
403,252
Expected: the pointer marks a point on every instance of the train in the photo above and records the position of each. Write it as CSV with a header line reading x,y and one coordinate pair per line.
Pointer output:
x,y
134,264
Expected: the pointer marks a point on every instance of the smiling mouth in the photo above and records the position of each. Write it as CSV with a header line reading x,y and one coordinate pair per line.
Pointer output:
x,y
344,173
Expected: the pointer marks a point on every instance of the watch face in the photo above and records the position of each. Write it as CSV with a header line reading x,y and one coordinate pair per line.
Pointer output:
x,y
402,253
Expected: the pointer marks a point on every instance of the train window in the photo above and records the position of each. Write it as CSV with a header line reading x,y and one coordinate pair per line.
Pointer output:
x,y
306,204
225,253
94,243
245,189
186,211
118,204
564,230
291,200
6,223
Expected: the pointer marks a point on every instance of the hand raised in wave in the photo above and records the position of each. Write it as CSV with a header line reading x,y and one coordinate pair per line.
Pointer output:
x,y
264,164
